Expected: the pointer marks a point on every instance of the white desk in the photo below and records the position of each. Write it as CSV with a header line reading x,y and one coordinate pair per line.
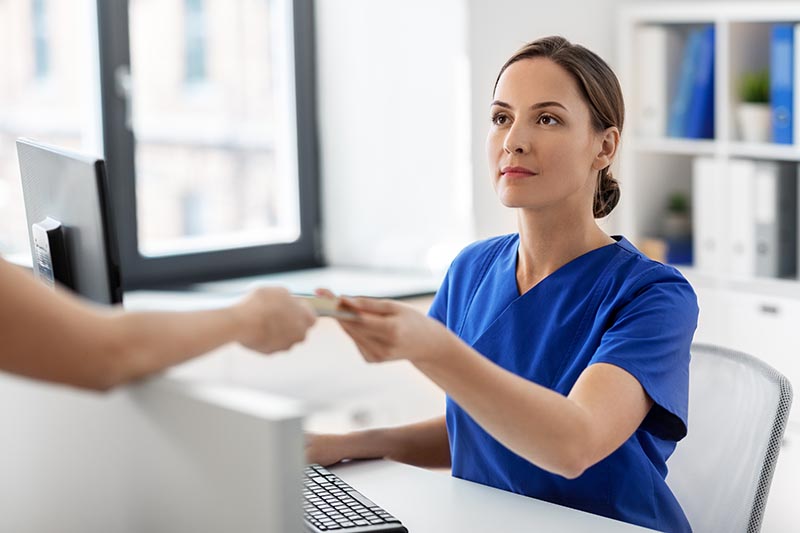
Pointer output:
x,y
428,502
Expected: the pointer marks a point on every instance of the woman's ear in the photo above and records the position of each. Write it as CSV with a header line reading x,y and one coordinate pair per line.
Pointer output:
x,y
608,148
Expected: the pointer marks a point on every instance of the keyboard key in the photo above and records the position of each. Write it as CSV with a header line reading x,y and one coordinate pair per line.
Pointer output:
x,y
361,498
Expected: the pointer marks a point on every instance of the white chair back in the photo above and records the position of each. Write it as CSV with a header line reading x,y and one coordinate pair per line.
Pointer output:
x,y
722,471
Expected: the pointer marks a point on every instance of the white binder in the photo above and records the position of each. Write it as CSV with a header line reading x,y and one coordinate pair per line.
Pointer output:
x,y
658,49
741,230
706,192
775,219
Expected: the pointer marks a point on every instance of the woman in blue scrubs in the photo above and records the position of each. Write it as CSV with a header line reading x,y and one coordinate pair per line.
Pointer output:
x,y
564,351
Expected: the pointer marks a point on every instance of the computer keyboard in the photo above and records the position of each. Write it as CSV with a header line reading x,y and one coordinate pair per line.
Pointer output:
x,y
330,504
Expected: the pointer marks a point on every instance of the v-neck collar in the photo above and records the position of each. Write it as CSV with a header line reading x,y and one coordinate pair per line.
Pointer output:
x,y
619,241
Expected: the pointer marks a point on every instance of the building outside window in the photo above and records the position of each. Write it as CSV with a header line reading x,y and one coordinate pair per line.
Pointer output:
x,y
195,42
41,45
199,126
52,42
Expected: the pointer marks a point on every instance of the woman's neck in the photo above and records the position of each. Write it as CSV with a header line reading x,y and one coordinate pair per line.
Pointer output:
x,y
547,243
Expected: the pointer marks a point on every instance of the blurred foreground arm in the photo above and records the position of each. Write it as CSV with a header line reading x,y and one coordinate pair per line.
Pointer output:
x,y
54,336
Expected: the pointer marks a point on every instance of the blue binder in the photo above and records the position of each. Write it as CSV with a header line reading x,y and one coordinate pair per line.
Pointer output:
x,y
699,122
678,110
781,76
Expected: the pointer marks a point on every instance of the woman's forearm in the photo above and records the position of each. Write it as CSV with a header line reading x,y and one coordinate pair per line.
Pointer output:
x,y
539,424
423,444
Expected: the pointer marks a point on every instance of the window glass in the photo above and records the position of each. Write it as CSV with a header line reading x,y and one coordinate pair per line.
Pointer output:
x,y
49,91
213,119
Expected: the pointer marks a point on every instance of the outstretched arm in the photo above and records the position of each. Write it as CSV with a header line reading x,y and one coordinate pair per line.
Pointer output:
x,y
53,336
562,434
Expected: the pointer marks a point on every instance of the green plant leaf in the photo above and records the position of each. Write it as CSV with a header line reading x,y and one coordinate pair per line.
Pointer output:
x,y
754,87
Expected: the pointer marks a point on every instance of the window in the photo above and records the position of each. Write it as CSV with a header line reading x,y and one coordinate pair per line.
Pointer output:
x,y
215,179
49,91
208,180
41,50
195,41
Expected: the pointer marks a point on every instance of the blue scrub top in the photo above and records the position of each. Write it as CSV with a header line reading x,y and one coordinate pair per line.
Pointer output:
x,y
610,305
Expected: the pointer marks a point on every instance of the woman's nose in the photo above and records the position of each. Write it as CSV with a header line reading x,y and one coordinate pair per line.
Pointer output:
x,y
516,143
517,149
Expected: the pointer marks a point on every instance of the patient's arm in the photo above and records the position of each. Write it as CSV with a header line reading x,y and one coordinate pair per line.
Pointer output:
x,y
51,335
422,444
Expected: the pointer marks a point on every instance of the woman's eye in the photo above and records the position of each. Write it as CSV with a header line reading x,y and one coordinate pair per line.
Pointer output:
x,y
499,119
547,120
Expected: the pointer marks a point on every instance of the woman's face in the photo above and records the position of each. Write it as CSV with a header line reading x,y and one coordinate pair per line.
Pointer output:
x,y
541,145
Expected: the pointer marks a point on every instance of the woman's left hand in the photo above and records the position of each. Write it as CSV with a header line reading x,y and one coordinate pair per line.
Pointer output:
x,y
386,330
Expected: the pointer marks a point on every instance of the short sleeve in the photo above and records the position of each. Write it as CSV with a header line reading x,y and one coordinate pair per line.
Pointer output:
x,y
650,338
438,309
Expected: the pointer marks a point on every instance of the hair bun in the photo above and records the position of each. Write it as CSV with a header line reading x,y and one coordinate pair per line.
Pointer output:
x,y
607,195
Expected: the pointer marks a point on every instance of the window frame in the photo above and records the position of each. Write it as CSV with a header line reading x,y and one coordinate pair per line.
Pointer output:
x,y
139,271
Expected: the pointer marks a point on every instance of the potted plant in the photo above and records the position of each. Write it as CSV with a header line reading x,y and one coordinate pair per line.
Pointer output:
x,y
753,112
677,221
677,229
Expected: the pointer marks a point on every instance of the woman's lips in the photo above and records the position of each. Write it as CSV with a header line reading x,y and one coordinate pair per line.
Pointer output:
x,y
516,172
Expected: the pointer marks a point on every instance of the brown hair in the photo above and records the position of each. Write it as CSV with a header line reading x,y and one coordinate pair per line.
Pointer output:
x,y
601,91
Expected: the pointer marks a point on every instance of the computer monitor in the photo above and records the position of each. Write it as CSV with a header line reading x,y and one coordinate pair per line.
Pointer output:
x,y
70,230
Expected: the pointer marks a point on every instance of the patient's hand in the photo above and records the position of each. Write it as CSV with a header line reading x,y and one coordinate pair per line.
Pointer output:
x,y
270,320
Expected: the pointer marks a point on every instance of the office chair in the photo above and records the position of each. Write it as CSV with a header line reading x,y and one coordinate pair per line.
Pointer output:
x,y
738,408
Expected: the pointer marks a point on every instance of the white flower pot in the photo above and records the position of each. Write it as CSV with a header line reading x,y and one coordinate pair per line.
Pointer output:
x,y
755,122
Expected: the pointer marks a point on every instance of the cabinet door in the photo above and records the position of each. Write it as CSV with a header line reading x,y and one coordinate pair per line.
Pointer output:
x,y
711,321
768,328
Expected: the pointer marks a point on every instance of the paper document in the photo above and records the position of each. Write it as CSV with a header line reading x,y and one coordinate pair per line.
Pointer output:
x,y
326,306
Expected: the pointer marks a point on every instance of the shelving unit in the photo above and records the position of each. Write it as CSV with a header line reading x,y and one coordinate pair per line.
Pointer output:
x,y
760,315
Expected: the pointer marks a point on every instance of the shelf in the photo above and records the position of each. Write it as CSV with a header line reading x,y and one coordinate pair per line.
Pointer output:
x,y
722,189
668,145
778,152
781,152
692,12
779,288
734,186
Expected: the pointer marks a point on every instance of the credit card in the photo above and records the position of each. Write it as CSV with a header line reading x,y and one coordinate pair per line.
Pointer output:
x,y
326,306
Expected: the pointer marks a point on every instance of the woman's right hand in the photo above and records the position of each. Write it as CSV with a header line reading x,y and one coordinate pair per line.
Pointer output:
x,y
326,449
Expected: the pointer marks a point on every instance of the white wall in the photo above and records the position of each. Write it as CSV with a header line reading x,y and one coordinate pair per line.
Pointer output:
x,y
404,91
393,106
